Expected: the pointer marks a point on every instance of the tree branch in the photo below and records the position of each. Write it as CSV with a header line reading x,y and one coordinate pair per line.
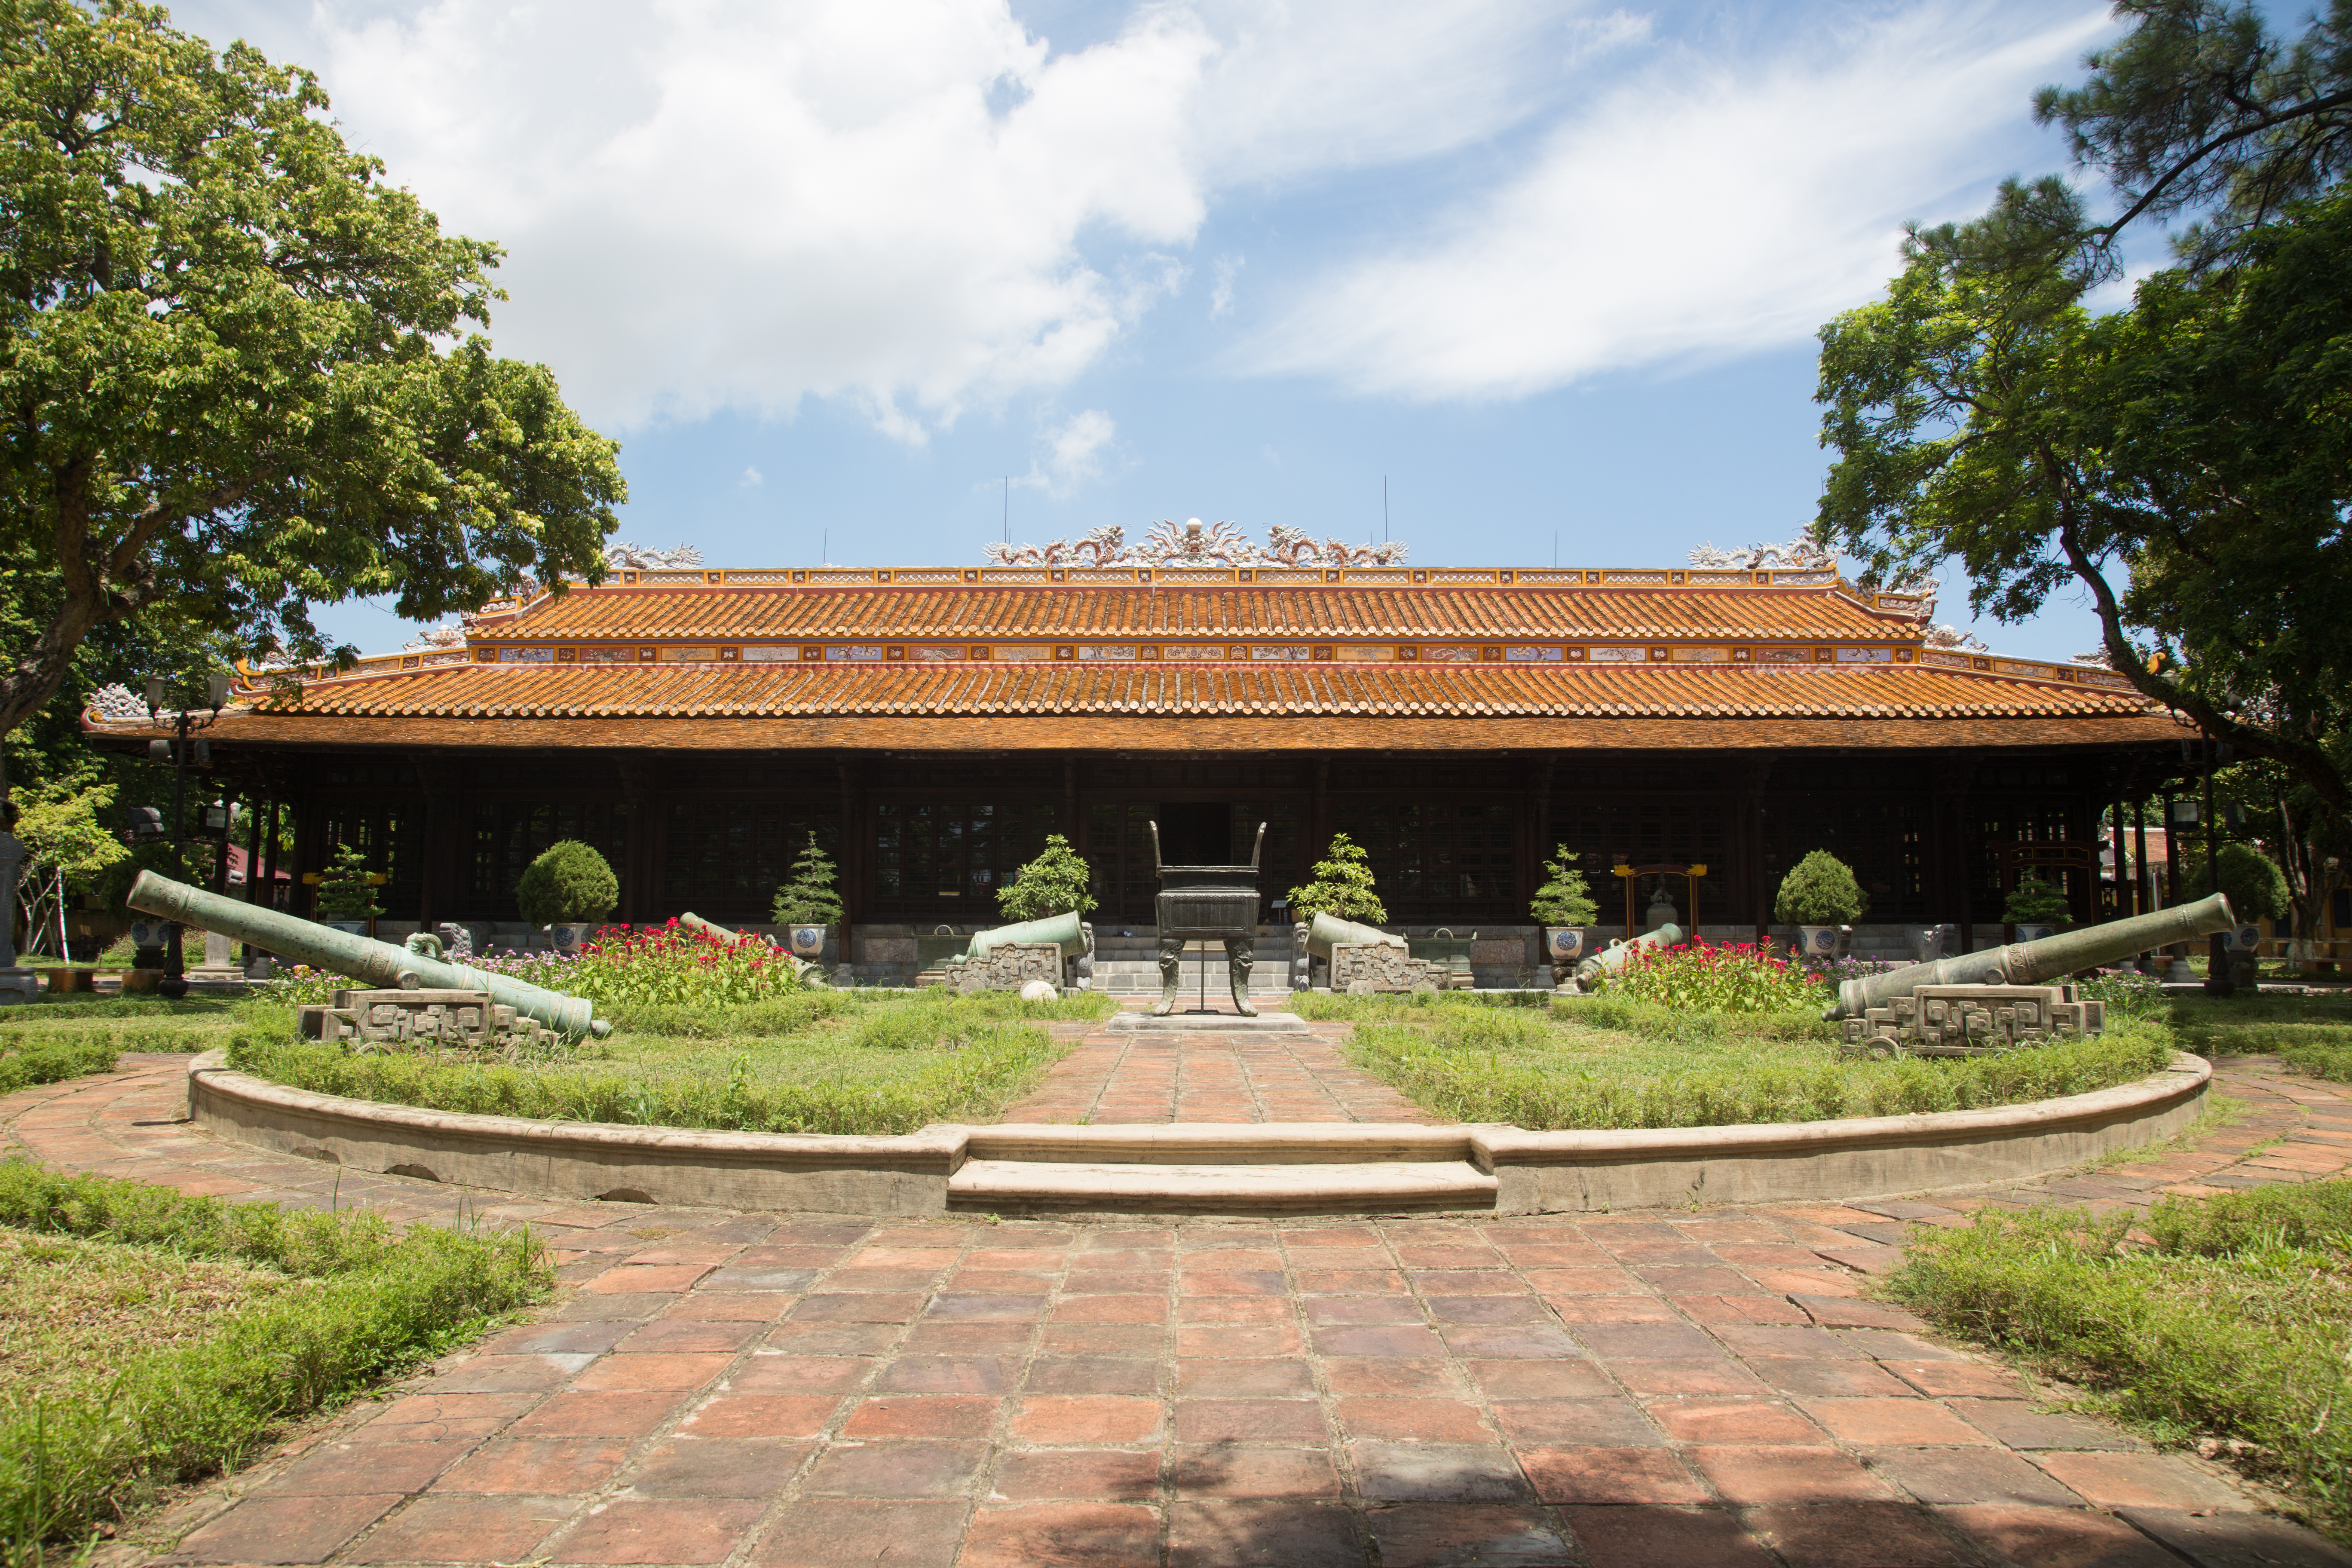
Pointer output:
x,y
2105,232
2309,763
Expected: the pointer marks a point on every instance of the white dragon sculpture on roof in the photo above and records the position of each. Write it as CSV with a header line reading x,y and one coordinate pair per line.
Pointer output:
x,y
1194,543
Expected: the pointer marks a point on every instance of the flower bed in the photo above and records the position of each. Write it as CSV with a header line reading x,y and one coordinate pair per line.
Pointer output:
x,y
1727,977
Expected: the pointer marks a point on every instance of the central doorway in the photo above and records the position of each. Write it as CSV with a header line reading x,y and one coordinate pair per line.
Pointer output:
x,y
1196,832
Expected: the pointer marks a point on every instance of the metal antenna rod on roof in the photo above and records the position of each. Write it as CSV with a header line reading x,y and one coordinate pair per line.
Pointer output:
x,y
1008,509
1385,509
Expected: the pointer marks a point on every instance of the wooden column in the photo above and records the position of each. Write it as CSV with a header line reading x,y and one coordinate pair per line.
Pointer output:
x,y
639,890
228,823
2122,853
1963,862
310,849
1067,812
2087,897
856,875
2143,880
270,862
259,815
1754,774
437,901
1318,814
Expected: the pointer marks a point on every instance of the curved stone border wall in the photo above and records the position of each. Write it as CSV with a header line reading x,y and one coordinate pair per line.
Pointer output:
x,y
1536,1172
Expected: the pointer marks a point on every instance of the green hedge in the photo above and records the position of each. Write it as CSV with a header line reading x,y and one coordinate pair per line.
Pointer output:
x,y
968,1084
52,1060
383,1303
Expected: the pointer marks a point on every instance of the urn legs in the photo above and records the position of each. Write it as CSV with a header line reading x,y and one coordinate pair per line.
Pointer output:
x,y
1240,953
1172,973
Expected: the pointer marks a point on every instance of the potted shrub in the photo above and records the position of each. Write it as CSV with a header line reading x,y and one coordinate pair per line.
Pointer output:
x,y
1052,884
347,892
567,891
2037,908
1817,896
1564,907
807,904
1341,886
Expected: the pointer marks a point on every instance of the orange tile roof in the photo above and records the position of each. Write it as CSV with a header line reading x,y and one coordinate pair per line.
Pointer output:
x,y
784,614
1641,691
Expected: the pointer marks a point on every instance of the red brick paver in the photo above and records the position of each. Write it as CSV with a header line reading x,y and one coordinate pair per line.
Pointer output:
x,y
1687,1388
1115,1075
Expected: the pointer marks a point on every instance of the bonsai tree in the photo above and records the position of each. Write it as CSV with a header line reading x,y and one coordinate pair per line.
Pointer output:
x,y
1341,886
569,884
1564,899
808,900
2036,902
2253,885
1052,884
345,890
1818,890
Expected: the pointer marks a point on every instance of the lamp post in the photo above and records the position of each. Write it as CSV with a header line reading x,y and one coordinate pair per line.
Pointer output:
x,y
181,722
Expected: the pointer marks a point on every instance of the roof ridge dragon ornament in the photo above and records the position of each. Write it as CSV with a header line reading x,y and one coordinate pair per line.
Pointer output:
x,y
1194,543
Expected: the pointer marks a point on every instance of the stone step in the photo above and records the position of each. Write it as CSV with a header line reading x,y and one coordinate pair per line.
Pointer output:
x,y
1222,1143
996,1187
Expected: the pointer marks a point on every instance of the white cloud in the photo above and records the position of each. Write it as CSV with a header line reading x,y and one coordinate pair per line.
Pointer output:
x,y
751,478
1715,201
920,207
913,206
1075,453
1221,298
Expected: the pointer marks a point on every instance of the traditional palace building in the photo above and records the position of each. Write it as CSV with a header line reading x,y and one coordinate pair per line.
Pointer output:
x,y
933,725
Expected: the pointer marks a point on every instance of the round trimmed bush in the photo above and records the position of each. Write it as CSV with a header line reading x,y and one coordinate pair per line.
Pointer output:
x,y
2254,886
1820,890
569,884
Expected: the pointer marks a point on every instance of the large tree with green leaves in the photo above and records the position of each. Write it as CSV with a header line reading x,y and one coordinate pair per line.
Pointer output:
x,y
2185,464
232,383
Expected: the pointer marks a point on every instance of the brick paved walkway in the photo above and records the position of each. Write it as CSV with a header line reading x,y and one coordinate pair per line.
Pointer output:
x,y
1120,1077
1676,1388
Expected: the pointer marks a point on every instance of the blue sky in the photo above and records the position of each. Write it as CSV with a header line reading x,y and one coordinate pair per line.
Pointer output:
x,y
836,271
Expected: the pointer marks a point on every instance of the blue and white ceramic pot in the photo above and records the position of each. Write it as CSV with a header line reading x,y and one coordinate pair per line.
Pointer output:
x,y
1565,943
807,940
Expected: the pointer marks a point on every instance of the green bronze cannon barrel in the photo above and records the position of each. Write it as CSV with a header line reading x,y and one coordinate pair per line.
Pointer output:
x,y
2032,962
363,958
1327,931
1066,931
1612,959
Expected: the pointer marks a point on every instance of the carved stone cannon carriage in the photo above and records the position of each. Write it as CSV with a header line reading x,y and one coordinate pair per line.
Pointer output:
x,y
1981,1004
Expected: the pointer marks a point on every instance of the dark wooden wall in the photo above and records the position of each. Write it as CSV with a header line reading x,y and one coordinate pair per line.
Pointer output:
x,y
1453,838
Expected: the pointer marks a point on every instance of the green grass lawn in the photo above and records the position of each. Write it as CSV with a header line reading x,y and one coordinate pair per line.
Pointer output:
x,y
2232,1321
68,1304
149,1338
2313,1033
819,1061
1604,1062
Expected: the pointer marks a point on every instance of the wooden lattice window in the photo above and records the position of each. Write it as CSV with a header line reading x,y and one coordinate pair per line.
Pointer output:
x,y
945,859
724,860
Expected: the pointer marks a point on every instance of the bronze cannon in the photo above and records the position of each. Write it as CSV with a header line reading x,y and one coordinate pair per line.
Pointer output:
x,y
2002,998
